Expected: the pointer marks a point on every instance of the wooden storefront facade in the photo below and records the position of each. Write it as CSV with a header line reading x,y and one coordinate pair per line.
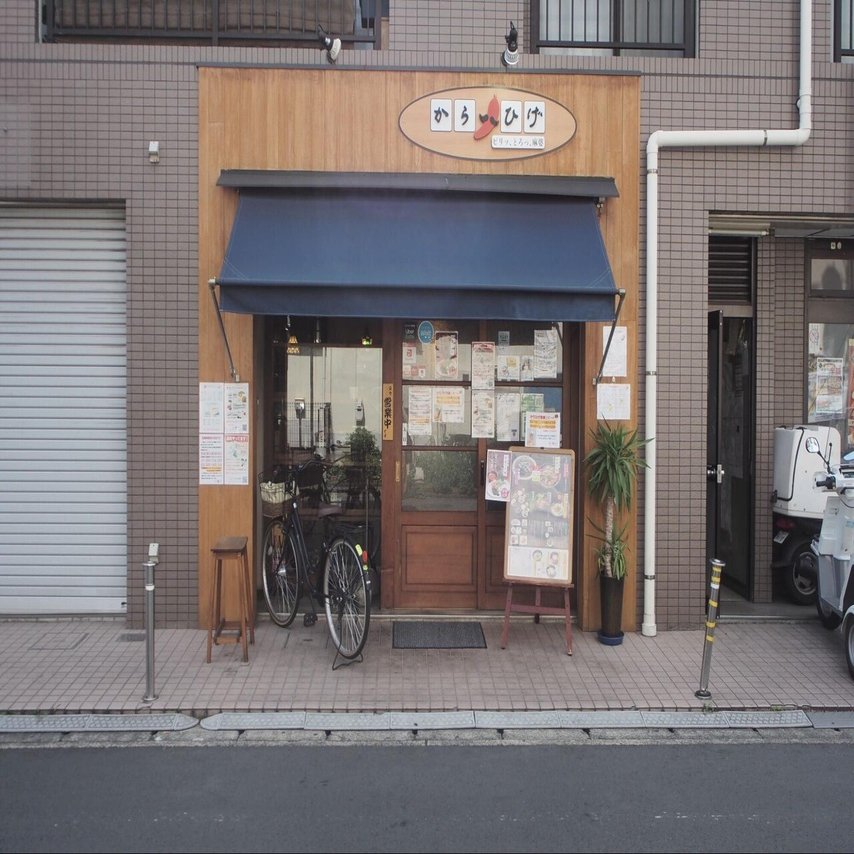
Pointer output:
x,y
285,122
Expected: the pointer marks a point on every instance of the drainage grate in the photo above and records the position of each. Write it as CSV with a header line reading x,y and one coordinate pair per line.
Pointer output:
x,y
96,723
56,641
131,636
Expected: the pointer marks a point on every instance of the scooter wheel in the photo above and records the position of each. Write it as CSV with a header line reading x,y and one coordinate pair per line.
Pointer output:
x,y
800,574
848,632
827,616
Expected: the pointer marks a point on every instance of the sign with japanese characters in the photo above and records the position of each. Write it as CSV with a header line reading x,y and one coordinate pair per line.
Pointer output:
x,y
487,123
538,534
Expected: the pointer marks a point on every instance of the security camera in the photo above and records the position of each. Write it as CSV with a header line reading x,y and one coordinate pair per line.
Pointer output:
x,y
511,52
333,46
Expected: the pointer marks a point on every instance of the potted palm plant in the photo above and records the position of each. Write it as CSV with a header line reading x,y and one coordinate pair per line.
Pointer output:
x,y
612,468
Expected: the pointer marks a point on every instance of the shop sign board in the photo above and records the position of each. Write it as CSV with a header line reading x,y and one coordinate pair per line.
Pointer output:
x,y
539,521
388,412
487,123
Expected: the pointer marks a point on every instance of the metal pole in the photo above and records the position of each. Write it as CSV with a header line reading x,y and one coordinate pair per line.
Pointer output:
x,y
149,630
711,622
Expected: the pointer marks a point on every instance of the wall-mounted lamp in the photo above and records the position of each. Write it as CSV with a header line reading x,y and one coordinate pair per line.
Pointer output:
x,y
317,337
154,151
333,46
367,340
511,53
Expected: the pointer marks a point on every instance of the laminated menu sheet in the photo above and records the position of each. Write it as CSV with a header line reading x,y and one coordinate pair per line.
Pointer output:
x,y
539,521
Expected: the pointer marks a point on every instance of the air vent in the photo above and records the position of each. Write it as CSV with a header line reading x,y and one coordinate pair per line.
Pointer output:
x,y
731,268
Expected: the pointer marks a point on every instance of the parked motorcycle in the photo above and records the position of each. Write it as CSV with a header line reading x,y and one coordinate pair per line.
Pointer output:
x,y
834,549
798,507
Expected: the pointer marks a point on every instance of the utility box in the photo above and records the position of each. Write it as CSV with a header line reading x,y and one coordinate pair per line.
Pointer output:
x,y
795,468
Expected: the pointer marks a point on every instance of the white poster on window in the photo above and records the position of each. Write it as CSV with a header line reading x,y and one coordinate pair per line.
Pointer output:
x,y
545,353
829,399
420,411
483,364
482,414
542,429
508,367
508,408
449,404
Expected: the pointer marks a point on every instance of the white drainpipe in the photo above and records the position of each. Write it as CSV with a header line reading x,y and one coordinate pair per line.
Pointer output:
x,y
696,139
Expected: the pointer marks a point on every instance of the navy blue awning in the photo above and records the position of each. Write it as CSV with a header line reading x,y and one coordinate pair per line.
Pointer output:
x,y
347,253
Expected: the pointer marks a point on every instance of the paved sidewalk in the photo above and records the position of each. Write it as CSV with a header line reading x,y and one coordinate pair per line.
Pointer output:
x,y
99,667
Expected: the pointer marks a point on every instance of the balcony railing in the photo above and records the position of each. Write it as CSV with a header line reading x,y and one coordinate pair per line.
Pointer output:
x,y
263,22
614,27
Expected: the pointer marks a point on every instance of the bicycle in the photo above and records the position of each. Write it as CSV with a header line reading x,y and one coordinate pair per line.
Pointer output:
x,y
341,581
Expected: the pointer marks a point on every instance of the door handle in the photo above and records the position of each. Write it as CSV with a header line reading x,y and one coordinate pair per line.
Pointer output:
x,y
715,473
483,472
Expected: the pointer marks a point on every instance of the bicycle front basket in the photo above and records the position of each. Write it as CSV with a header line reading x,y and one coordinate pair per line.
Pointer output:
x,y
273,498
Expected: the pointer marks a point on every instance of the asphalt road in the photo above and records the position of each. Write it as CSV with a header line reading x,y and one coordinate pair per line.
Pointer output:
x,y
739,795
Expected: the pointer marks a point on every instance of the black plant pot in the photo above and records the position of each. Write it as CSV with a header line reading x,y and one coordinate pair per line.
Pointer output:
x,y
611,601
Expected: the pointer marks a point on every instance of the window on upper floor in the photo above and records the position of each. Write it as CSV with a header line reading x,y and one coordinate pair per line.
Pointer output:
x,y
843,30
614,27
259,23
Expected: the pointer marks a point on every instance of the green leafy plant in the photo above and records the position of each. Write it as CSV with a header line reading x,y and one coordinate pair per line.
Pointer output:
x,y
612,469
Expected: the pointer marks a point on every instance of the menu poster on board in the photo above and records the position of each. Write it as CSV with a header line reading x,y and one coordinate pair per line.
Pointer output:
x,y
538,537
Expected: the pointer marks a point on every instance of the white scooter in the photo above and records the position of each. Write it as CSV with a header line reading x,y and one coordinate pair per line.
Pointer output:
x,y
834,548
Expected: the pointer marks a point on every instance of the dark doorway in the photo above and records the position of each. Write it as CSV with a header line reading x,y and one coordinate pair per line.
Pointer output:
x,y
729,455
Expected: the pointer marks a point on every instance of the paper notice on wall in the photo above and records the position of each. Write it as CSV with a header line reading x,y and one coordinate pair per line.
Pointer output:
x,y
613,401
616,360
211,458
211,410
236,409
236,460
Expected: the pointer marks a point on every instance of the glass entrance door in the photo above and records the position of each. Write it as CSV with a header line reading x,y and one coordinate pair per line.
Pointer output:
x,y
465,387
324,391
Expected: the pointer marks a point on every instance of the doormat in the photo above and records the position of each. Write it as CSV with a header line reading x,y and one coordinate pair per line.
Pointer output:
x,y
435,634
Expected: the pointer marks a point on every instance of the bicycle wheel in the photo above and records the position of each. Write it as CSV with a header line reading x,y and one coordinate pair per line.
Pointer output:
x,y
347,597
280,573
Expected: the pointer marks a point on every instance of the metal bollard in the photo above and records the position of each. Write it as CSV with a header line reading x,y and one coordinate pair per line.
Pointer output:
x,y
711,622
149,565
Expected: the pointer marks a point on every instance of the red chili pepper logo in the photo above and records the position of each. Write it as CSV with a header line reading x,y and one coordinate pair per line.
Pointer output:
x,y
489,120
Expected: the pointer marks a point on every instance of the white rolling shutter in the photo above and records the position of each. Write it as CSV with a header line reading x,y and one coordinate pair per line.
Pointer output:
x,y
63,457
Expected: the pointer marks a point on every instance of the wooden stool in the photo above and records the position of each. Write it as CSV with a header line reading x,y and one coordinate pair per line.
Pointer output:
x,y
231,549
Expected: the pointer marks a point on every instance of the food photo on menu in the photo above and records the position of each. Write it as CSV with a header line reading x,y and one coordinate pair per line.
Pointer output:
x,y
539,517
